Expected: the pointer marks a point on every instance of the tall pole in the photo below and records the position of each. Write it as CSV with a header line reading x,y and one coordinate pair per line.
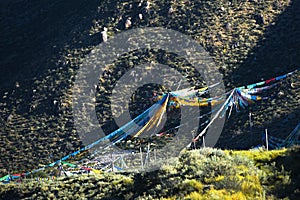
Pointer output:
x,y
179,84
141,158
147,159
267,142
149,151
250,124
194,142
112,163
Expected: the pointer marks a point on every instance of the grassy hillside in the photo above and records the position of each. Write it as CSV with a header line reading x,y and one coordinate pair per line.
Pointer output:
x,y
44,44
199,174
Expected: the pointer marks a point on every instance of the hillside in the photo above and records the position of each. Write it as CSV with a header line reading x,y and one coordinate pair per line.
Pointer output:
x,y
43,44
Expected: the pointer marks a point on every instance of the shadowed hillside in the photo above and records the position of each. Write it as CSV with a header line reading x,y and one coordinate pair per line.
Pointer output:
x,y
33,35
43,44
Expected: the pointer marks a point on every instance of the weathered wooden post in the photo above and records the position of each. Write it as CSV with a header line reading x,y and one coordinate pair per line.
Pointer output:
x,y
194,142
112,163
267,142
251,125
142,165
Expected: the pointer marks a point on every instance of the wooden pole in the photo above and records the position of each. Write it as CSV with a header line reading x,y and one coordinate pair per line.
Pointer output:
x,y
147,155
250,120
250,125
141,158
194,142
267,142
112,163
179,84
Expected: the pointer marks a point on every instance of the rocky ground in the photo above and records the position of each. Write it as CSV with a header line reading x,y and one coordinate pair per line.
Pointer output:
x,y
43,45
